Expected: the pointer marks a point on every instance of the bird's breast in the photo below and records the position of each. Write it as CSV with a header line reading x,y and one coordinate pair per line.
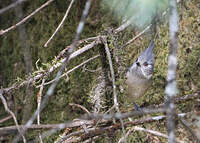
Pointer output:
x,y
137,86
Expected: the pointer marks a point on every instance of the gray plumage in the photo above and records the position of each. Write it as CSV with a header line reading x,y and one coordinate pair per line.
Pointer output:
x,y
139,75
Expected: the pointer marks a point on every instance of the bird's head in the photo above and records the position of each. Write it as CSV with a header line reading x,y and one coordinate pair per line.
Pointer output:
x,y
144,64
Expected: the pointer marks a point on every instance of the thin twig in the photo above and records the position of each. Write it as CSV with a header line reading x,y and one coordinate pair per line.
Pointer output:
x,y
92,140
142,129
178,100
113,107
122,115
72,56
88,39
93,39
127,134
61,23
13,115
112,72
123,26
5,119
39,97
137,36
11,6
71,124
90,70
80,106
26,18
186,126
154,133
68,72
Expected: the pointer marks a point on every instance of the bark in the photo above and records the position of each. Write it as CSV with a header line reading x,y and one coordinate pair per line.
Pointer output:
x,y
28,99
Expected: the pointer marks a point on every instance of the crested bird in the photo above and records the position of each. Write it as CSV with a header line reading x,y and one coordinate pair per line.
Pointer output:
x,y
139,75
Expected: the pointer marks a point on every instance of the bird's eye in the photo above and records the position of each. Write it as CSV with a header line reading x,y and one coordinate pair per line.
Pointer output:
x,y
145,64
138,64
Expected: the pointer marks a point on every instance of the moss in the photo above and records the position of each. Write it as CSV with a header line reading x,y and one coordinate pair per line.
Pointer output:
x,y
78,87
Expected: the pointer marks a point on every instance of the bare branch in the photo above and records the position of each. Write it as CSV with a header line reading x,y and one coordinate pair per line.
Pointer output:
x,y
186,126
171,89
123,26
64,64
79,123
137,36
100,130
13,115
11,6
122,115
61,23
156,133
88,39
111,70
127,134
178,100
68,72
71,124
80,106
84,49
93,39
5,119
113,80
73,47
26,18
51,69
39,97
99,121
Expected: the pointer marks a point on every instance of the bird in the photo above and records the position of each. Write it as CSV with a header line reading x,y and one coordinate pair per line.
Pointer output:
x,y
139,74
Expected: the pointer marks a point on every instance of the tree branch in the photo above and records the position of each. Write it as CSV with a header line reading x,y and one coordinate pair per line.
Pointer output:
x,y
13,116
113,81
76,67
66,14
52,68
11,6
80,135
25,19
137,36
171,89
122,115
5,119
64,64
